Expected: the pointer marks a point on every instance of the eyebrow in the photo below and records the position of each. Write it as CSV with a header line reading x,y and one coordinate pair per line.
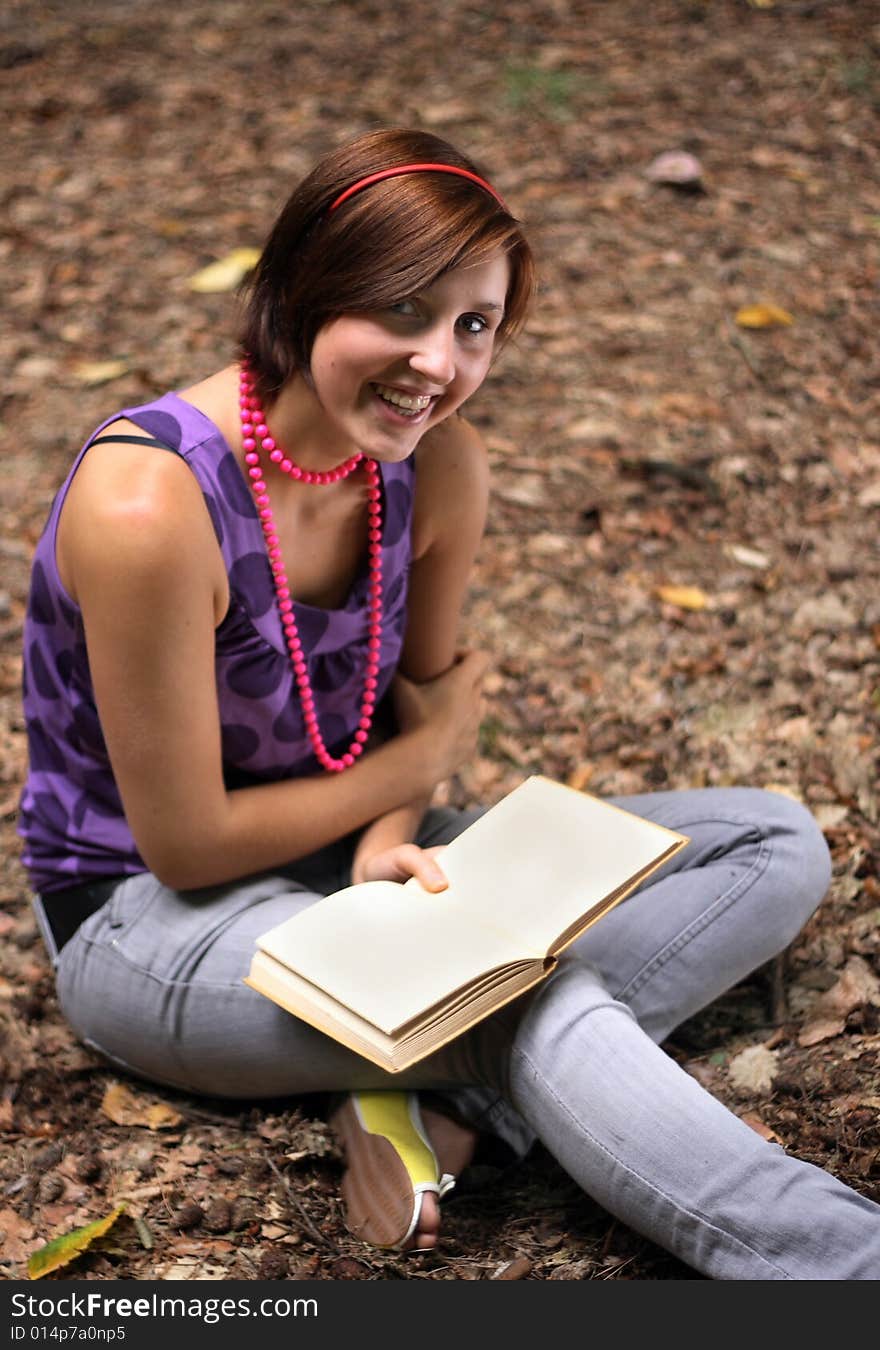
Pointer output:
x,y
489,304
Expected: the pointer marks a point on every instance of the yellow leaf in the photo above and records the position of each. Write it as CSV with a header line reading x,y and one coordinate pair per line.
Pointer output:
x,y
580,777
226,273
763,316
125,1107
100,372
62,1250
685,597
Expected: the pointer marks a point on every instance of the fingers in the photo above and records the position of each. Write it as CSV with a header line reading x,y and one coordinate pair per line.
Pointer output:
x,y
407,860
423,865
433,877
449,706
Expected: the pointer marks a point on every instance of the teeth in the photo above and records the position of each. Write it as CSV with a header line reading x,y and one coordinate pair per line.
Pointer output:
x,y
408,402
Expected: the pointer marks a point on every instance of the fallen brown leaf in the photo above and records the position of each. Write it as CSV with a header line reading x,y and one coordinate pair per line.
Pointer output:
x,y
830,814
754,1122
17,1235
517,1269
857,985
855,1101
821,1030
125,1107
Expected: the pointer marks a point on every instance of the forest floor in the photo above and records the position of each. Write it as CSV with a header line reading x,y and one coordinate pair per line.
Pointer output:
x,y
679,582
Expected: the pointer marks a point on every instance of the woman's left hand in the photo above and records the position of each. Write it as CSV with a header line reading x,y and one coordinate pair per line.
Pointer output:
x,y
401,862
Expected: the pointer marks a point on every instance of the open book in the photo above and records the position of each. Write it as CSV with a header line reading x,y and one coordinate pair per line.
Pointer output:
x,y
394,971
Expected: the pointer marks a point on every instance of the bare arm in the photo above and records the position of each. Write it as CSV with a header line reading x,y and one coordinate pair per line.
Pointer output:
x,y
450,514
139,555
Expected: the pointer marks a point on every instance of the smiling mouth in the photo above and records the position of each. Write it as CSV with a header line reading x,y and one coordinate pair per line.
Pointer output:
x,y
409,405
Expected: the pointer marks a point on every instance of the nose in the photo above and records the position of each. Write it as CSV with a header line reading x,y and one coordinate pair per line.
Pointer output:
x,y
434,355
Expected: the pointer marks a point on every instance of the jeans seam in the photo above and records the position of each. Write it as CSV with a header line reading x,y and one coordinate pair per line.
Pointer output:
x,y
111,949
581,1128
708,916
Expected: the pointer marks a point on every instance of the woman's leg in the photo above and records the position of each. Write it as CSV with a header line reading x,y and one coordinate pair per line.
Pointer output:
x,y
154,982
633,1129
649,1144
154,979
755,870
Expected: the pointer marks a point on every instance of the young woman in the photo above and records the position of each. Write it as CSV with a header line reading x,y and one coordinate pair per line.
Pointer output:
x,y
243,686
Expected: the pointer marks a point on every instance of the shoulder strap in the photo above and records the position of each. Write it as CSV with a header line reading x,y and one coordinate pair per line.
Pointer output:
x,y
135,440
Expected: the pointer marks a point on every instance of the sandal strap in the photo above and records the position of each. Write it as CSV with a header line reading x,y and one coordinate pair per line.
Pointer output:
x,y
396,1117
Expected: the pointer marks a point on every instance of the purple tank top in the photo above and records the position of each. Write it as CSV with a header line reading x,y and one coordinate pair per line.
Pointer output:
x,y
71,816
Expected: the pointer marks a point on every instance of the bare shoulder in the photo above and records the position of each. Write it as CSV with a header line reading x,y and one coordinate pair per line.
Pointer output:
x,y
452,482
454,446
131,507
123,483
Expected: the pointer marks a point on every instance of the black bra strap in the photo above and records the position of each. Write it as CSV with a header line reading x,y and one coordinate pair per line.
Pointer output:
x,y
135,440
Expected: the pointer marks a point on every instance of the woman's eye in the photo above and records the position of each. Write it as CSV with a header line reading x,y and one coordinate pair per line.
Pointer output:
x,y
473,324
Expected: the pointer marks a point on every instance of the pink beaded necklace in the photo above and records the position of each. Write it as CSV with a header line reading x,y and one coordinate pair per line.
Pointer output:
x,y
254,430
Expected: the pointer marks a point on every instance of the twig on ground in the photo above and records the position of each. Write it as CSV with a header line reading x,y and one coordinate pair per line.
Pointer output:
x,y
314,1233
740,345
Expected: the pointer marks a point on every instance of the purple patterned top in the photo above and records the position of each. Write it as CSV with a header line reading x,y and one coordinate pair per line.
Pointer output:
x,y
71,817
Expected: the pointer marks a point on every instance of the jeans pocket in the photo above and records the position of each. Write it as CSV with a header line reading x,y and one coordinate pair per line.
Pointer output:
x,y
129,903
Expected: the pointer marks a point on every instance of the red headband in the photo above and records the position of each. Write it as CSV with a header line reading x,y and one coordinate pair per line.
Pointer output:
x,y
415,168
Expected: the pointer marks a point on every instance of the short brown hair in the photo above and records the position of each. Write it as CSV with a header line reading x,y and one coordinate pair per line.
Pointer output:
x,y
386,243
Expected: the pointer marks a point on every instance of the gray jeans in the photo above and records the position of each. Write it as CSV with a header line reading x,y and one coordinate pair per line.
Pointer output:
x,y
153,981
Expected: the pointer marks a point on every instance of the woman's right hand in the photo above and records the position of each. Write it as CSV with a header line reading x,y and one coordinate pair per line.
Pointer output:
x,y
448,709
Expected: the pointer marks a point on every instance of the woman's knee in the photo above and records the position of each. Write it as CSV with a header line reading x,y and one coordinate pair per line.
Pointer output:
x,y
798,864
799,853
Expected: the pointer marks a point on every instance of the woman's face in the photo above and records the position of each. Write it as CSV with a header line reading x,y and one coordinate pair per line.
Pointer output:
x,y
383,378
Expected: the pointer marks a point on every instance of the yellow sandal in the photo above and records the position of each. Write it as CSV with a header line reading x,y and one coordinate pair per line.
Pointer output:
x,y
391,1165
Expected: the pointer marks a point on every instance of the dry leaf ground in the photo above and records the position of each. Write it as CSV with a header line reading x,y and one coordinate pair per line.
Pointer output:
x,y
679,581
